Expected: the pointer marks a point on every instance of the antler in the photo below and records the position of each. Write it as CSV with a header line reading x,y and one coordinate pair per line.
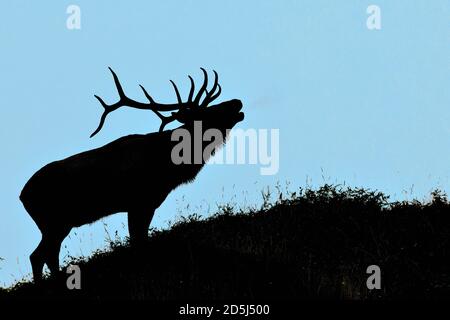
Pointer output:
x,y
184,108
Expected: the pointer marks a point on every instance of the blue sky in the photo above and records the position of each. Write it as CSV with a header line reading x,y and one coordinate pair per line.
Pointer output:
x,y
368,108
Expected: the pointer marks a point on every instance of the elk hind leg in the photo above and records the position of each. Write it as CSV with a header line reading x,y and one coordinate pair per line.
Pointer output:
x,y
37,259
53,247
47,252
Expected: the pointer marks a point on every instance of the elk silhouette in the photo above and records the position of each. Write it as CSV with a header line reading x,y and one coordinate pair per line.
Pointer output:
x,y
132,174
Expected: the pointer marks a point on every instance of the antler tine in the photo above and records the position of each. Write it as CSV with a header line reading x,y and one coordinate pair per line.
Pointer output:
x,y
118,85
216,82
202,89
103,117
191,92
164,120
109,108
177,92
210,94
147,95
214,97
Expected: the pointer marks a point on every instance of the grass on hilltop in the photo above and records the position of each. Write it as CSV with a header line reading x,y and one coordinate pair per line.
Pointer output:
x,y
316,244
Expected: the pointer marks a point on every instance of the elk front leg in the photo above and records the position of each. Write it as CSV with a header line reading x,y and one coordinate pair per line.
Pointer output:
x,y
138,224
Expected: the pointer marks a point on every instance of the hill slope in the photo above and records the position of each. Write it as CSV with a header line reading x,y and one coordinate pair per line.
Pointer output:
x,y
317,244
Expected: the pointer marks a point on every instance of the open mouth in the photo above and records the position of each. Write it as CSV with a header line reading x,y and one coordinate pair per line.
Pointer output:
x,y
240,114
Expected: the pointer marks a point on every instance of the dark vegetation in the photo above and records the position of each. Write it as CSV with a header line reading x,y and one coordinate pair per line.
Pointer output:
x,y
313,244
